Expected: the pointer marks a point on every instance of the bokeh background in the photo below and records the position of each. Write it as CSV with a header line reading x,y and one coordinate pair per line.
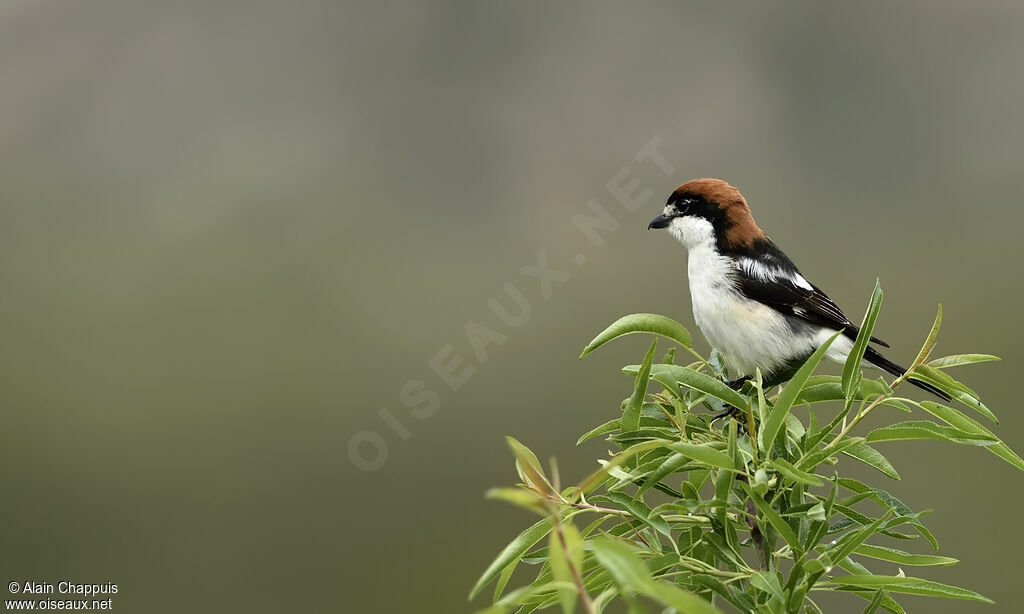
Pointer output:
x,y
231,233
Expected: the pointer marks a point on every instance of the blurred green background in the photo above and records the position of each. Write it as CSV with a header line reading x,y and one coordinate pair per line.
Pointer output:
x,y
231,233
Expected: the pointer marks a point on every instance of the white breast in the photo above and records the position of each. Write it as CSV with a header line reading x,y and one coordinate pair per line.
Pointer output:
x,y
748,334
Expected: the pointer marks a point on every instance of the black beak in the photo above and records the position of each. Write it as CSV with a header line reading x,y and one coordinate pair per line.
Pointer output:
x,y
660,222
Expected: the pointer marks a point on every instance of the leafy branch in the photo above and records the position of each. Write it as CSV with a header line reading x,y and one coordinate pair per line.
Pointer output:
x,y
748,513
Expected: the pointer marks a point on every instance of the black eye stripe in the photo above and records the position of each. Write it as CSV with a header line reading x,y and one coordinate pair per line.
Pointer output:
x,y
682,205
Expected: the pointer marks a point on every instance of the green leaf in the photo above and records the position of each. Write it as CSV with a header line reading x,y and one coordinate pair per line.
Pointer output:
x,y
506,575
929,342
851,541
631,415
773,517
957,360
956,418
888,603
518,496
607,427
598,477
853,362
696,380
955,389
669,466
622,562
529,467
675,597
771,427
526,540
820,391
926,429
928,588
866,454
910,586
640,510
785,468
875,602
768,583
871,581
724,551
729,592
641,323
905,558
563,558
704,453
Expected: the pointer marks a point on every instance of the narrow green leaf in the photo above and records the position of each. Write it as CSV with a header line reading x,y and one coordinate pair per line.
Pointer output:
x,y
852,367
905,558
598,477
704,453
768,583
725,552
785,468
888,603
957,419
866,454
518,496
693,379
516,548
563,558
957,360
631,415
639,510
955,389
526,594
851,541
729,592
770,428
910,586
682,601
773,517
506,575
825,391
622,563
669,466
529,466
928,588
641,323
875,602
871,581
929,342
607,427
926,429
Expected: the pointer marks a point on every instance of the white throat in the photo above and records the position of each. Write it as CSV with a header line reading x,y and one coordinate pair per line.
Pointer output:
x,y
693,232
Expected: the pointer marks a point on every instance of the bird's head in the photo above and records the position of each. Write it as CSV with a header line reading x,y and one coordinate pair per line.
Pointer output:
x,y
705,211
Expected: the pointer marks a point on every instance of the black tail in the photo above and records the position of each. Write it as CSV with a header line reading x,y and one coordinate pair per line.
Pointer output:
x,y
872,356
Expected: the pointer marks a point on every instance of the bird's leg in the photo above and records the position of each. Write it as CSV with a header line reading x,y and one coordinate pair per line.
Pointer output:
x,y
737,383
731,411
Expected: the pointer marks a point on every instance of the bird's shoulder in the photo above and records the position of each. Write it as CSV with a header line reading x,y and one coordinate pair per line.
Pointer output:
x,y
765,274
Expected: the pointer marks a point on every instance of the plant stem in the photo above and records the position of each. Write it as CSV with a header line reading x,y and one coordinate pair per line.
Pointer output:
x,y
863,413
588,605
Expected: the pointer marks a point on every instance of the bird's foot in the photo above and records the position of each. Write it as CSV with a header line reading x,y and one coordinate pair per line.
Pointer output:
x,y
737,383
731,411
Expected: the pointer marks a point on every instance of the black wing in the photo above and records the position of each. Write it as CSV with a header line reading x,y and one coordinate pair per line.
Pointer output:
x,y
772,279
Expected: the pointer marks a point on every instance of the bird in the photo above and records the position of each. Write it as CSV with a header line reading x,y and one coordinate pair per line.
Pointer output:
x,y
749,300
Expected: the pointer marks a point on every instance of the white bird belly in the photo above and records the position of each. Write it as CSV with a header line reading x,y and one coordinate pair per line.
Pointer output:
x,y
748,334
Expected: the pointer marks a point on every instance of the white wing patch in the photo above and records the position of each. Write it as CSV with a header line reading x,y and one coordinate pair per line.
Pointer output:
x,y
759,270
